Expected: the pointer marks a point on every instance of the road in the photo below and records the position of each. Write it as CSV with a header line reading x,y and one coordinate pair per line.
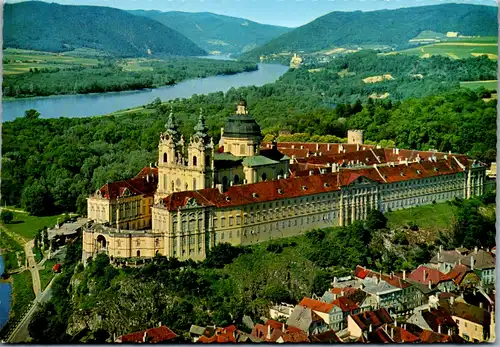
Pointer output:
x,y
35,276
21,333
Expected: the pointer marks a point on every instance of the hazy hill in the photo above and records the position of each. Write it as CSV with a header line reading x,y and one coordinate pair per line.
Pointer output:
x,y
57,28
214,32
386,27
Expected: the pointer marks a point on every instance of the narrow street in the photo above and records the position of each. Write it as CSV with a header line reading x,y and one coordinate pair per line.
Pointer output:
x,y
28,249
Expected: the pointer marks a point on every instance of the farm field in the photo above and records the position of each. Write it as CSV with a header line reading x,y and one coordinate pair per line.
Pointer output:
x,y
17,61
490,85
459,48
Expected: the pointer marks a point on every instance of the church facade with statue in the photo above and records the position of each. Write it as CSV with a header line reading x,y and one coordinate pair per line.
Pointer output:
x,y
243,191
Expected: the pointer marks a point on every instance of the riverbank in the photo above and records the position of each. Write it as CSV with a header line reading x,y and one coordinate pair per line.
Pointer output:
x,y
116,76
87,105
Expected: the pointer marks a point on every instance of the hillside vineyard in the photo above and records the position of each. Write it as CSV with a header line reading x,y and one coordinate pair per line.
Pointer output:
x,y
246,191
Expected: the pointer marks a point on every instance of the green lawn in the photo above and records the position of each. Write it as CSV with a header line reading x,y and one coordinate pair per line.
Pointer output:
x,y
47,274
22,294
27,226
490,85
429,217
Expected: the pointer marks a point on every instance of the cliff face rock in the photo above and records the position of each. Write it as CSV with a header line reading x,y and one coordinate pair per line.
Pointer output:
x,y
127,306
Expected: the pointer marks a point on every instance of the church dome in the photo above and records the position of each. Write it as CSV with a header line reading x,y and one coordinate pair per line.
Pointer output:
x,y
241,126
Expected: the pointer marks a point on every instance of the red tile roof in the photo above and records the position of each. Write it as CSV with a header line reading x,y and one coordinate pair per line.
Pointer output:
x,y
401,335
428,336
153,335
144,183
291,333
439,317
424,274
293,187
328,336
375,318
316,305
458,273
345,304
393,280
222,335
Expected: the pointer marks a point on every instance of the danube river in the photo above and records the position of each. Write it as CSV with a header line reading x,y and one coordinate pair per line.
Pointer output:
x,y
84,105
5,290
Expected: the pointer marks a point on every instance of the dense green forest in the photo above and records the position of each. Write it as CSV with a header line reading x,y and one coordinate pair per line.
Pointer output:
x,y
215,32
382,28
52,27
114,77
233,281
58,162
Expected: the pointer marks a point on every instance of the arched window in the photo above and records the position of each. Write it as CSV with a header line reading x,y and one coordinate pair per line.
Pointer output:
x,y
207,160
236,179
138,254
165,157
224,182
195,161
281,173
263,176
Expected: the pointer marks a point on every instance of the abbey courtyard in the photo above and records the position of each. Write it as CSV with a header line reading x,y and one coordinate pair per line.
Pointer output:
x,y
244,191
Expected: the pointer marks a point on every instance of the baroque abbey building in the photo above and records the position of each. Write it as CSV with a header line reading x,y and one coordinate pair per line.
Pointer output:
x,y
244,191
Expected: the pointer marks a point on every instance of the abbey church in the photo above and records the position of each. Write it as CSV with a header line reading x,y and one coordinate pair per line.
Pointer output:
x,y
245,191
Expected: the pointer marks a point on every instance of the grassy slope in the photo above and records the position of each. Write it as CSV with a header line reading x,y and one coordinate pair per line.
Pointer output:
x,y
459,49
431,218
47,274
491,85
26,226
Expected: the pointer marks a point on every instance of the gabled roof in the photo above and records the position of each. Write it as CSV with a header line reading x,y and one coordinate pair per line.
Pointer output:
x,y
303,318
468,312
328,336
458,273
317,305
439,317
375,318
428,336
153,335
144,183
345,304
424,274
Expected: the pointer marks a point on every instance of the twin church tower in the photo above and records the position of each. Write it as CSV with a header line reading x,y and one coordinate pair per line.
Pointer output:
x,y
237,160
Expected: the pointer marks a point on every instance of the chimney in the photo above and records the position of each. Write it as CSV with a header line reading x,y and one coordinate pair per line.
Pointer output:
x,y
395,323
472,263
392,333
480,305
283,327
404,274
268,332
145,337
147,178
439,329
370,328
459,261
475,250
219,187
452,300
159,324
424,275
430,284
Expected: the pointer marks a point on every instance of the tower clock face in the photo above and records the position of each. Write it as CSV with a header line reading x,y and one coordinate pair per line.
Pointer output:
x,y
178,182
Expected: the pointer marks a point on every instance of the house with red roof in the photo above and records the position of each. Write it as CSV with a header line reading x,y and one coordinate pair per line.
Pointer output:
x,y
464,277
278,332
433,278
160,334
437,320
331,314
367,321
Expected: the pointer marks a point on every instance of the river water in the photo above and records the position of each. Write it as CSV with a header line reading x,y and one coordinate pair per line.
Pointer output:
x,y
83,105
5,291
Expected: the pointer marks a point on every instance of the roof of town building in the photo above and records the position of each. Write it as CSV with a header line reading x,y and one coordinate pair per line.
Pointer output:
x,y
398,334
221,335
468,312
424,275
328,336
153,335
302,318
345,304
375,318
317,305
458,273
438,317
427,336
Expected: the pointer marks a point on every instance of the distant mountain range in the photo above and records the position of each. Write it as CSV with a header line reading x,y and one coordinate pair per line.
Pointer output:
x,y
385,27
58,28
217,33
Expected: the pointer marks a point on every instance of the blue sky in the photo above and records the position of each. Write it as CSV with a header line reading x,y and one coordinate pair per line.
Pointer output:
x,y
291,13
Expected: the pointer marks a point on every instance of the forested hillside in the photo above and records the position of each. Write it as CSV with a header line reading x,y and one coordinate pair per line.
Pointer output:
x,y
214,32
58,28
383,28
